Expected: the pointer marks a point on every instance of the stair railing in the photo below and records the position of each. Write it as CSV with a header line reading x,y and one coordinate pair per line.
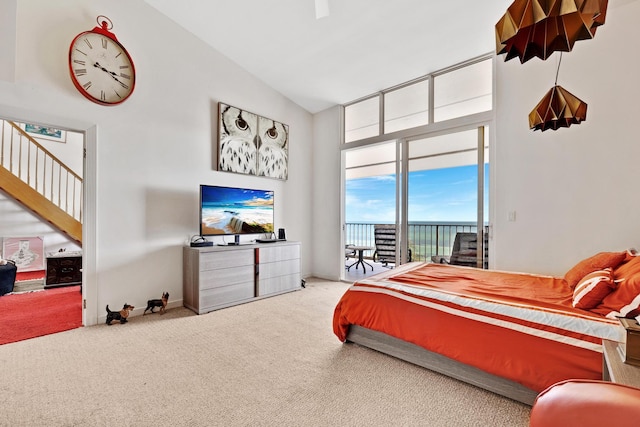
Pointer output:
x,y
28,160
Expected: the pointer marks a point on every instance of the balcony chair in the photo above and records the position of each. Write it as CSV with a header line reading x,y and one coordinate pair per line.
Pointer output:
x,y
464,251
385,240
349,252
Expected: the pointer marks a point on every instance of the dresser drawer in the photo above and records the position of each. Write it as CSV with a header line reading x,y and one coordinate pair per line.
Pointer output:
x,y
279,253
229,259
281,268
226,276
210,299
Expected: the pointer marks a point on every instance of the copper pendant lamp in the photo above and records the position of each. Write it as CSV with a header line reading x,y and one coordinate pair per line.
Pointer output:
x,y
559,108
540,27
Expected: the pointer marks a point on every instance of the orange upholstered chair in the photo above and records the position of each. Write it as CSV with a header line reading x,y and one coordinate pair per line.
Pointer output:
x,y
586,403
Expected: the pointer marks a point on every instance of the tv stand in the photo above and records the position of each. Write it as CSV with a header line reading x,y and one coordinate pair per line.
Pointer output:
x,y
216,277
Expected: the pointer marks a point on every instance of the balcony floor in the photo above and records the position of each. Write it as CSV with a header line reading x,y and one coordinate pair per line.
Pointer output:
x,y
352,274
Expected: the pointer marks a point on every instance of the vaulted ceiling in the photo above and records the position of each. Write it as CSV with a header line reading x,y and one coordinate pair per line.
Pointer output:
x,y
361,47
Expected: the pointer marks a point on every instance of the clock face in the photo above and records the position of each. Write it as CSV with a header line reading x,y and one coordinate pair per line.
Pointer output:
x,y
101,68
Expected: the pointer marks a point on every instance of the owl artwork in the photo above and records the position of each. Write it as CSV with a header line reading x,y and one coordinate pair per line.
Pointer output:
x,y
273,141
238,142
252,144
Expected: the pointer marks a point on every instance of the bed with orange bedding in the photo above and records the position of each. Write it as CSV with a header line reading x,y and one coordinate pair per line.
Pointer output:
x,y
511,333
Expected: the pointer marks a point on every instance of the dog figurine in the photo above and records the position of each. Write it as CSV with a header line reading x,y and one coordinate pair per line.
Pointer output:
x,y
120,316
153,303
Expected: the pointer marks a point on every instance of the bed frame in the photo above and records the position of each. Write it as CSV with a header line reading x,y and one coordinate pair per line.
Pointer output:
x,y
436,362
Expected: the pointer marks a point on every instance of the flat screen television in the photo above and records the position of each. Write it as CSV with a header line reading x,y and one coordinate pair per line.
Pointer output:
x,y
229,210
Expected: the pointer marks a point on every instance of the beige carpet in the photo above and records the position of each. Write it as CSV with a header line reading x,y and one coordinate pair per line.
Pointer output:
x,y
273,362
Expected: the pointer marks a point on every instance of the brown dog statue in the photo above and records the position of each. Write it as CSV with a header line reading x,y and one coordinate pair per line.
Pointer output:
x,y
153,303
120,316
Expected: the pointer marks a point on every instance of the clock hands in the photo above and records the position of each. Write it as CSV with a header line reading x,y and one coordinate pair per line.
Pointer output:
x,y
111,73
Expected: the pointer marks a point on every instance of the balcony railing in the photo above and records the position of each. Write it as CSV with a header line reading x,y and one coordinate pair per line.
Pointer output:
x,y
425,238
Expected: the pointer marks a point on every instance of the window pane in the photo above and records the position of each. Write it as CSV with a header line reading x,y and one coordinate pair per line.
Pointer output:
x,y
362,120
370,192
463,91
379,159
406,107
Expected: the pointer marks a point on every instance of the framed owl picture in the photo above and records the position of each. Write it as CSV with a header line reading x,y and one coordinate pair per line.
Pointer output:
x,y
252,144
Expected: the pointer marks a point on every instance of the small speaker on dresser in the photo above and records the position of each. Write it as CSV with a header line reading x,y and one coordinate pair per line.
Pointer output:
x,y
281,234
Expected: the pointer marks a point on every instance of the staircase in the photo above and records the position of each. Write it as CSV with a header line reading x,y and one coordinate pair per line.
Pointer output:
x,y
39,181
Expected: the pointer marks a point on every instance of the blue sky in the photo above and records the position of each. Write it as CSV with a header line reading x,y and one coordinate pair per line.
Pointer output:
x,y
434,195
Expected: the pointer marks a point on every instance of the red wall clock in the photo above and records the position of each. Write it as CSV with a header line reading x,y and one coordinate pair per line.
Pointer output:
x,y
100,66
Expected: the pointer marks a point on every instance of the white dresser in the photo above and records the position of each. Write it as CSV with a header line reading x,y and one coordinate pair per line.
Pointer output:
x,y
216,277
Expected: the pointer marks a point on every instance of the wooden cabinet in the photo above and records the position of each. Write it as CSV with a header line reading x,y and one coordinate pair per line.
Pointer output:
x,y
63,270
216,277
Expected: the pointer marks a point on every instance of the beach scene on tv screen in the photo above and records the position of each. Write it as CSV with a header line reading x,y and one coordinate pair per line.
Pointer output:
x,y
228,210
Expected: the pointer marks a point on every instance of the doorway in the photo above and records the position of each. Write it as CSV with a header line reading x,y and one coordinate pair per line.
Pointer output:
x,y
34,152
370,200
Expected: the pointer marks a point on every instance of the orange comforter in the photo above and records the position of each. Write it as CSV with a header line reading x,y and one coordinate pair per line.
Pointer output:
x,y
518,326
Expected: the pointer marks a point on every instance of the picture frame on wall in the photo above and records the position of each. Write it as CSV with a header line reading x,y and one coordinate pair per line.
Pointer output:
x,y
251,144
26,252
44,132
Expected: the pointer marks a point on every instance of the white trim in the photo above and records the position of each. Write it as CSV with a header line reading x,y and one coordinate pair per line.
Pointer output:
x,y
89,228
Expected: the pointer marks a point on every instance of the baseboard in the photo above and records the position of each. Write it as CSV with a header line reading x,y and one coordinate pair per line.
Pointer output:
x,y
139,311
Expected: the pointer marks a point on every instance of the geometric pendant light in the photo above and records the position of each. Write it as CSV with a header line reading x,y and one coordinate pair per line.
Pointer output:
x,y
540,27
557,109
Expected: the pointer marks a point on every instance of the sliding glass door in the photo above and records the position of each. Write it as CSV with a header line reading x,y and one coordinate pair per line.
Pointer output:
x,y
447,196
370,198
444,197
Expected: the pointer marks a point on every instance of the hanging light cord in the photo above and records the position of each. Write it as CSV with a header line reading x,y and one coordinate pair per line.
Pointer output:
x,y
558,70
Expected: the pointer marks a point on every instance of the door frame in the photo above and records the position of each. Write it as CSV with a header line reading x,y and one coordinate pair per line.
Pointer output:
x,y
89,189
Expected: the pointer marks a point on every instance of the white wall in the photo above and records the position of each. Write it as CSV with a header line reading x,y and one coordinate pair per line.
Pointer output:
x,y
154,150
573,190
16,221
8,39
328,257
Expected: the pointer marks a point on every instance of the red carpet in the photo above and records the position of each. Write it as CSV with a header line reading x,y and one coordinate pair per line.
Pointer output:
x,y
33,314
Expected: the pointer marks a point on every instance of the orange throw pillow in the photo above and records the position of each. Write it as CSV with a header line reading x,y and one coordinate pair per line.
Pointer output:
x,y
598,261
593,287
630,267
623,302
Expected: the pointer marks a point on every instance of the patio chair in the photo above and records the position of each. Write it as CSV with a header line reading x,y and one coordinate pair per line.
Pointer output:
x,y
349,252
464,251
385,239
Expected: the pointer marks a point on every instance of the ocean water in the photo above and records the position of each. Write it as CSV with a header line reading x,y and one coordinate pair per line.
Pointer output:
x,y
229,217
